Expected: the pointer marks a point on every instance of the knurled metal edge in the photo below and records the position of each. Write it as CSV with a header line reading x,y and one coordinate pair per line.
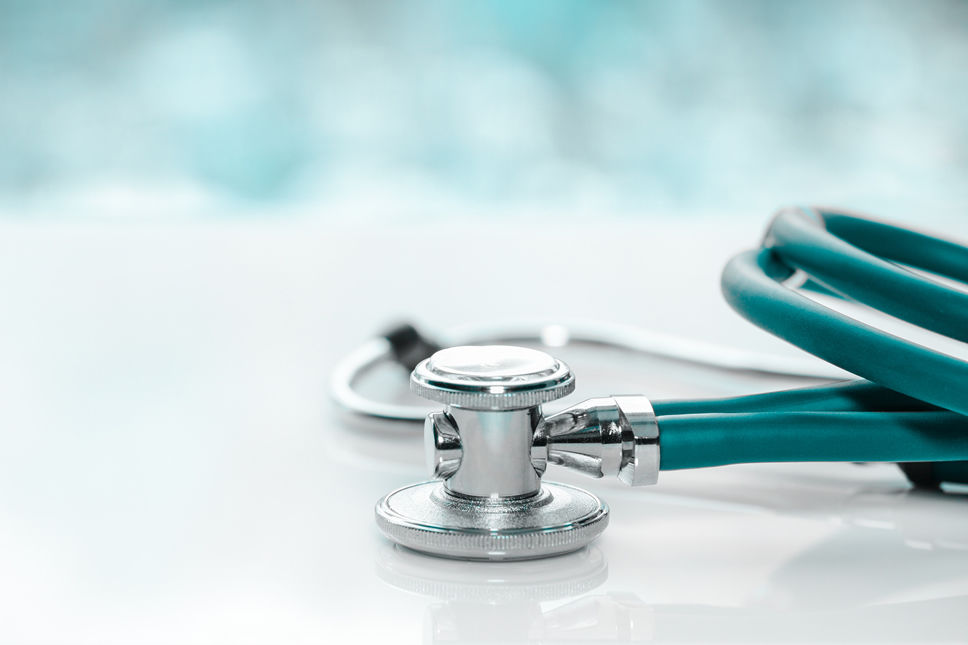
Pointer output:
x,y
495,546
492,400
513,544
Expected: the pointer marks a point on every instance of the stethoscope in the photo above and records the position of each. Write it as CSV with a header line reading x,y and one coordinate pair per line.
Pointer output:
x,y
489,447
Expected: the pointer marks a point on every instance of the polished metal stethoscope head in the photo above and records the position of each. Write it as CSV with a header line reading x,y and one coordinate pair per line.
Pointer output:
x,y
490,447
492,377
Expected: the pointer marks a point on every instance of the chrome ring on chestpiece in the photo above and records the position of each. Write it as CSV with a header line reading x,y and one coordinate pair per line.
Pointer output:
x,y
491,445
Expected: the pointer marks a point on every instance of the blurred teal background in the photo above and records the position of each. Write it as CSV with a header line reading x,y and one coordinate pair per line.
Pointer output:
x,y
559,109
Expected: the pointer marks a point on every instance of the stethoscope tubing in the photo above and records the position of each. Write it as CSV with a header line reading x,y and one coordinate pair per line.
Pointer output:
x,y
798,240
914,412
909,405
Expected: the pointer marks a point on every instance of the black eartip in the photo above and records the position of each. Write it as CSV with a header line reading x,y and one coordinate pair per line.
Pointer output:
x,y
921,474
930,475
409,345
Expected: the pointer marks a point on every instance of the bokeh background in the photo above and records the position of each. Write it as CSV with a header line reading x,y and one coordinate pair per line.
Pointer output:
x,y
205,205
388,110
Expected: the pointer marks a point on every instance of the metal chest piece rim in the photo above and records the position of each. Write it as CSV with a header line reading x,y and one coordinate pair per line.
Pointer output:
x,y
425,517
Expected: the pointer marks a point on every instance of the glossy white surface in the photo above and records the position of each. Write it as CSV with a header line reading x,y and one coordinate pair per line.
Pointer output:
x,y
171,470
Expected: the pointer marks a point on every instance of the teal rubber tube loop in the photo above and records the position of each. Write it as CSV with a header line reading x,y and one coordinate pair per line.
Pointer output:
x,y
802,241
901,245
750,285
910,408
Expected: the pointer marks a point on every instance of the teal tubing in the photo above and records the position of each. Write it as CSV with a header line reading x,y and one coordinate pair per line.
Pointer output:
x,y
846,396
694,441
806,243
751,287
910,405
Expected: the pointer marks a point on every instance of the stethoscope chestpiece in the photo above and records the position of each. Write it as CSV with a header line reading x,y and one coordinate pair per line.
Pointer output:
x,y
491,503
